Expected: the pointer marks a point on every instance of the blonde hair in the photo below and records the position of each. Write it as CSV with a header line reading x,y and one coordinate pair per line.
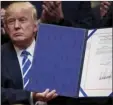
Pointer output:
x,y
23,4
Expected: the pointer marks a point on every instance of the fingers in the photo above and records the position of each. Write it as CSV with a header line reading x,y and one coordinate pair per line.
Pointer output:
x,y
51,97
50,5
57,3
42,95
45,8
105,5
2,12
50,93
48,11
46,95
55,95
46,92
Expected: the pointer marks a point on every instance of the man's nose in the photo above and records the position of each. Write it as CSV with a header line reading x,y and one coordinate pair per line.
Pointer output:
x,y
17,24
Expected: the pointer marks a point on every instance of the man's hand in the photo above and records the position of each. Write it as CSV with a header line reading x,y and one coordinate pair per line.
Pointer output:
x,y
52,11
45,96
104,6
2,13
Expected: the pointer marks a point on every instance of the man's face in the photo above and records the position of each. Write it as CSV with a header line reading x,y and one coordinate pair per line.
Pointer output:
x,y
20,25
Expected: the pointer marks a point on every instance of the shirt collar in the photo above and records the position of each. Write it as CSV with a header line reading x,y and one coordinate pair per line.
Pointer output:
x,y
30,49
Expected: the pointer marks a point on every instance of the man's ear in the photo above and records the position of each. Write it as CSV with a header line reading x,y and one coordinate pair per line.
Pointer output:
x,y
36,26
5,27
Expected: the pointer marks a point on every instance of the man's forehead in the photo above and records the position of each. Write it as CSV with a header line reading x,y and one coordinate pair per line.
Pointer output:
x,y
18,11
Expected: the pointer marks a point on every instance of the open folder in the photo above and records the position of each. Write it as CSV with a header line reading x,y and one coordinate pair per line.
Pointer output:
x,y
58,60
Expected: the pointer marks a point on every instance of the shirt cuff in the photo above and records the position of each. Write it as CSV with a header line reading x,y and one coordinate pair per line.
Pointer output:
x,y
31,99
40,103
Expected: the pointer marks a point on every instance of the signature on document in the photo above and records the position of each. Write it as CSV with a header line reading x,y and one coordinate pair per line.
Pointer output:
x,y
105,75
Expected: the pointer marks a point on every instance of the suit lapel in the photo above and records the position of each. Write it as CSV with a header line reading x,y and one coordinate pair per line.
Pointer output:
x,y
13,67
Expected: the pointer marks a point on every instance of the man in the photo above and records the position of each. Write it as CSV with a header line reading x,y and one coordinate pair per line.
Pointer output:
x,y
66,13
16,56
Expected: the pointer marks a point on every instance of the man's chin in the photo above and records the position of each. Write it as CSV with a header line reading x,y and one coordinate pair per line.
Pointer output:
x,y
18,40
20,43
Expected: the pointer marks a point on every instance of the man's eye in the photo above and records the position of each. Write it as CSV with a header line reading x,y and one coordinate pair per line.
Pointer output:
x,y
10,21
22,20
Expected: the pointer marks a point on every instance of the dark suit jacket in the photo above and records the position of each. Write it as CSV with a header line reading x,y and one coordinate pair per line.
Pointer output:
x,y
4,39
76,13
11,78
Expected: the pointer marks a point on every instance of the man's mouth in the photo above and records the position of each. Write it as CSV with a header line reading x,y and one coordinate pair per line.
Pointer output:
x,y
18,34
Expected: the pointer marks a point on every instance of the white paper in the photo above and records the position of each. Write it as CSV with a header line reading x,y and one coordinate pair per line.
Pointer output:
x,y
97,69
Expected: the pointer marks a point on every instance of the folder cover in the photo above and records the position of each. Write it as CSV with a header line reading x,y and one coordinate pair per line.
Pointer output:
x,y
58,60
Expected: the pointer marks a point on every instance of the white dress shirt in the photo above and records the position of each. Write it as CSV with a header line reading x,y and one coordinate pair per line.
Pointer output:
x,y
30,49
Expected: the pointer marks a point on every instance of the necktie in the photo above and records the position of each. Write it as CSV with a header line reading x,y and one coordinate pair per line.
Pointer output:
x,y
26,65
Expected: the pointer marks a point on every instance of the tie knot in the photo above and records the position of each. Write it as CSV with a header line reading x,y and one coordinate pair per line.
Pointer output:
x,y
25,53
